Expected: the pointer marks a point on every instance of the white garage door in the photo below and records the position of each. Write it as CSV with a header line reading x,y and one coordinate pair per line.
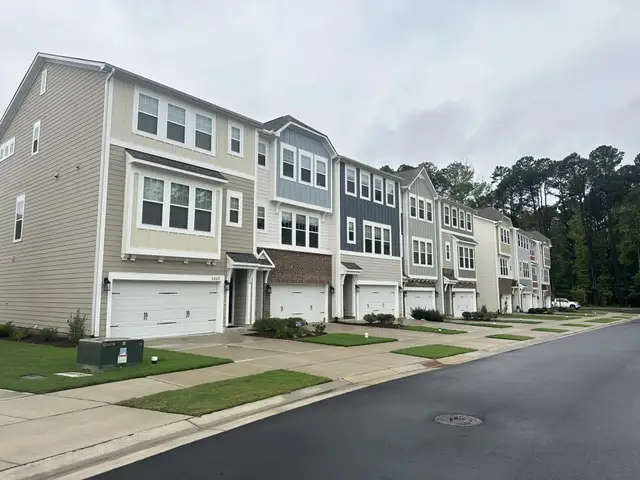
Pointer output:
x,y
527,301
143,309
376,299
463,302
419,299
305,301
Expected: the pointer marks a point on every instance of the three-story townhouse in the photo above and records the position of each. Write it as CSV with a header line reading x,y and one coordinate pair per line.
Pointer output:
x,y
419,240
525,297
457,257
497,280
543,260
370,266
295,225
152,195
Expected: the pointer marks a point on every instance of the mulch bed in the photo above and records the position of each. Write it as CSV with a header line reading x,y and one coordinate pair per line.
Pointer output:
x,y
61,342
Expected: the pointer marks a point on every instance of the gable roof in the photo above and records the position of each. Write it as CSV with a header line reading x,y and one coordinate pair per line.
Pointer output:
x,y
278,124
490,213
538,236
409,176
41,58
369,168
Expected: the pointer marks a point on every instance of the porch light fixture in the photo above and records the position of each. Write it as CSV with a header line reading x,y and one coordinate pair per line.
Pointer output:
x,y
399,288
357,288
226,285
437,292
106,285
331,289
268,289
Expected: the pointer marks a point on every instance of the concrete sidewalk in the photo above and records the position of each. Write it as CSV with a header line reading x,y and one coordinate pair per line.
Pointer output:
x,y
36,430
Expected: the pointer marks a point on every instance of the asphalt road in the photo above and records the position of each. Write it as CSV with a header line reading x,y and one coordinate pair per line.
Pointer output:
x,y
567,409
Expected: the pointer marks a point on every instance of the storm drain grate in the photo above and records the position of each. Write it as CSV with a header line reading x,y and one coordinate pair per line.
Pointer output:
x,y
458,420
432,364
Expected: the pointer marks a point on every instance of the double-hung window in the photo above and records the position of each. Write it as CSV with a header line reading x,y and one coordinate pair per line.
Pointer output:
x,y
301,231
351,230
176,123
447,251
377,239
454,217
526,272
534,274
234,209
203,212
148,114
429,211
462,227
321,172
261,221
391,193
18,225
204,132
307,230
314,232
377,189
235,139
422,252
262,154
504,267
288,167
35,138
365,185
350,181
286,230
368,238
469,222
152,201
466,259
421,214
447,218
306,167
179,206
504,236
413,209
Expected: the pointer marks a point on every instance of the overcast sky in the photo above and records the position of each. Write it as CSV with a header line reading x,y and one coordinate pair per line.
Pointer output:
x,y
390,82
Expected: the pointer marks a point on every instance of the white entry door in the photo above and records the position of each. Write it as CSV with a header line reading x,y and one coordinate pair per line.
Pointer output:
x,y
463,302
527,301
505,304
304,301
419,299
376,299
147,309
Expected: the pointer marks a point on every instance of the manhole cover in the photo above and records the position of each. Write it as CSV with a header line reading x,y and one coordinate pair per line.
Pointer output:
x,y
33,377
458,420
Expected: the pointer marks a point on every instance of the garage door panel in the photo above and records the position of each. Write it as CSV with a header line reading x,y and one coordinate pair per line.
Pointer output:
x,y
304,301
376,299
462,302
419,299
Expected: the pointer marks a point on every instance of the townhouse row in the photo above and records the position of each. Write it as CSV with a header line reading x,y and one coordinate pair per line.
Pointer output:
x,y
160,214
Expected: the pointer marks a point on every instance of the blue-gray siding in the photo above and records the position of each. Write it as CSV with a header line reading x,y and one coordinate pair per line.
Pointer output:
x,y
295,190
422,229
362,209
457,229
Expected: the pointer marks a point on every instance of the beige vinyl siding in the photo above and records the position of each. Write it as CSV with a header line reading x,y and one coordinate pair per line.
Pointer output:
x,y
376,268
49,275
233,239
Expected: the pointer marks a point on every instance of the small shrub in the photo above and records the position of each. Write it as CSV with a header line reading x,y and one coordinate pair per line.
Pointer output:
x,y
319,328
370,318
386,318
77,326
284,328
531,310
263,325
466,315
7,329
19,334
427,315
484,310
493,315
48,334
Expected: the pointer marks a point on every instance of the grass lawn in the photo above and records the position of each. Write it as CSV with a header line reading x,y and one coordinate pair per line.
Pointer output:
x,y
18,359
552,330
212,397
527,322
434,351
506,336
444,331
538,316
346,339
487,324
603,320
575,325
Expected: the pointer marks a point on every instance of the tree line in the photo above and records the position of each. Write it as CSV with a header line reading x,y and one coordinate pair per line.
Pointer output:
x,y
589,207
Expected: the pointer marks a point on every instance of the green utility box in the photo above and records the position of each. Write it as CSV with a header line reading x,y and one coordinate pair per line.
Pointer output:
x,y
99,354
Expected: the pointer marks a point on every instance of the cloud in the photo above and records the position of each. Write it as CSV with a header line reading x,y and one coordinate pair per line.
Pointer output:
x,y
389,82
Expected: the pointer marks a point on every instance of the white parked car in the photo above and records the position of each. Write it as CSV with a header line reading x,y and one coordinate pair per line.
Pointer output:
x,y
564,303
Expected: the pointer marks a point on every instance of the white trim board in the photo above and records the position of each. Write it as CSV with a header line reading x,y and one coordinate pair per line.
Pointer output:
x,y
420,289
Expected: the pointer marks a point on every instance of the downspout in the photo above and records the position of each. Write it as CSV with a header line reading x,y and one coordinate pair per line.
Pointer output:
x,y
440,253
102,205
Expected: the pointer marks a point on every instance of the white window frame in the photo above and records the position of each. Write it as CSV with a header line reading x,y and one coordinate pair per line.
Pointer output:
x,y
352,221
422,213
454,210
184,126
545,275
428,210
505,261
264,207
467,253
461,219
43,81
19,198
294,230
355,181
195,129
390,186
238,195
192,184
447,251
283,147
302,152
469,222
413,207
266,153
136,112
423,248
367,175
505,236
241,128
35,136
382,228
378,178
7,149
534,274
316,160
525,269
446,216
